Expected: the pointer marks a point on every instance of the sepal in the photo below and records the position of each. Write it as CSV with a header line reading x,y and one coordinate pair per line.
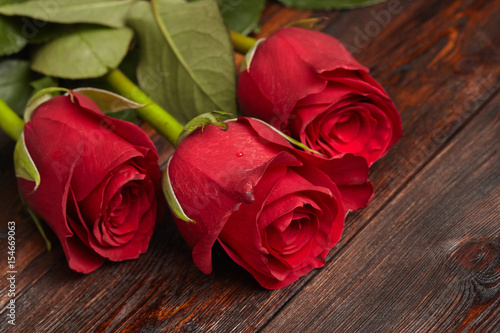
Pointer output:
x,y
37,221
23,163
314,23
288,138
172,201
216,118
107,101
245,65
41,97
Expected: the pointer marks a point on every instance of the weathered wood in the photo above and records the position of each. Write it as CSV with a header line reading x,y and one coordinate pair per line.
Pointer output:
x,y
439,62
430,261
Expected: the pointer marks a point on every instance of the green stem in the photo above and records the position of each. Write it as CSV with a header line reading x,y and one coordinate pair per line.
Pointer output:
x,y
152,113
10,122
241,43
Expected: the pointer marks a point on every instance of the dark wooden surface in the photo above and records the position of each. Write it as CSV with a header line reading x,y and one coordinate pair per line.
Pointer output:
x,y
423,257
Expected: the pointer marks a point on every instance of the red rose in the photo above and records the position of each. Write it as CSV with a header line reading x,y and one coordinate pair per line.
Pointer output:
x,y
306,83
99,181
273,208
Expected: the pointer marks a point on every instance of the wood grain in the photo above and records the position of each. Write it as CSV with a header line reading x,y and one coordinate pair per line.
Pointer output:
x,y
439,62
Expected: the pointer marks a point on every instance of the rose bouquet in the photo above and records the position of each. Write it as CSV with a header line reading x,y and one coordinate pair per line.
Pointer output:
x,y
273,192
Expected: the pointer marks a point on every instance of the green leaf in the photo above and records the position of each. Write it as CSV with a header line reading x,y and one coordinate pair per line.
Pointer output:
x,y
23,164
328,4
107,101
14,83
106,12
90,51
8,2
187,64
241,16
173,203
11,37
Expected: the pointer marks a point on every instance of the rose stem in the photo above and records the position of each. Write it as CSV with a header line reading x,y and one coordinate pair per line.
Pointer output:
x,y
241,43
152,113
10,122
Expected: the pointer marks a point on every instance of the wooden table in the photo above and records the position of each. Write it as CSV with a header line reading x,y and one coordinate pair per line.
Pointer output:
x,y
424,256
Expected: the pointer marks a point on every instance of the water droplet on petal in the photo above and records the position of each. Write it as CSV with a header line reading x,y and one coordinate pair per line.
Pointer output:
x,y
239,154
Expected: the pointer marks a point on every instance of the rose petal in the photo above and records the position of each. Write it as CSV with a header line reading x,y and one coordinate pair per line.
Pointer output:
x,y
56,166
253,102
235,233
273,79
324,52
293,253
358,81
78,255
94,205
332,94
350,174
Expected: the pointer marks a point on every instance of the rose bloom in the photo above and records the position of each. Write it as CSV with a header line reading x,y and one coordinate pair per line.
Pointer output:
x,y
275,210
99,188
307,84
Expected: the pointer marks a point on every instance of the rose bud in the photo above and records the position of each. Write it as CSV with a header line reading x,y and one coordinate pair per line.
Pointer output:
x,y
273,208
307,84
99,177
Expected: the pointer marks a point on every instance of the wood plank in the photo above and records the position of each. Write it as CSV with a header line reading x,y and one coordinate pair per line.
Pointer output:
x,y
164,291
429,262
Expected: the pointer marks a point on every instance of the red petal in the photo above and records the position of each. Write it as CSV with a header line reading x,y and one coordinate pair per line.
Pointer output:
x,y
255,104
55,165
320,50
241,234
350,174
282,75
